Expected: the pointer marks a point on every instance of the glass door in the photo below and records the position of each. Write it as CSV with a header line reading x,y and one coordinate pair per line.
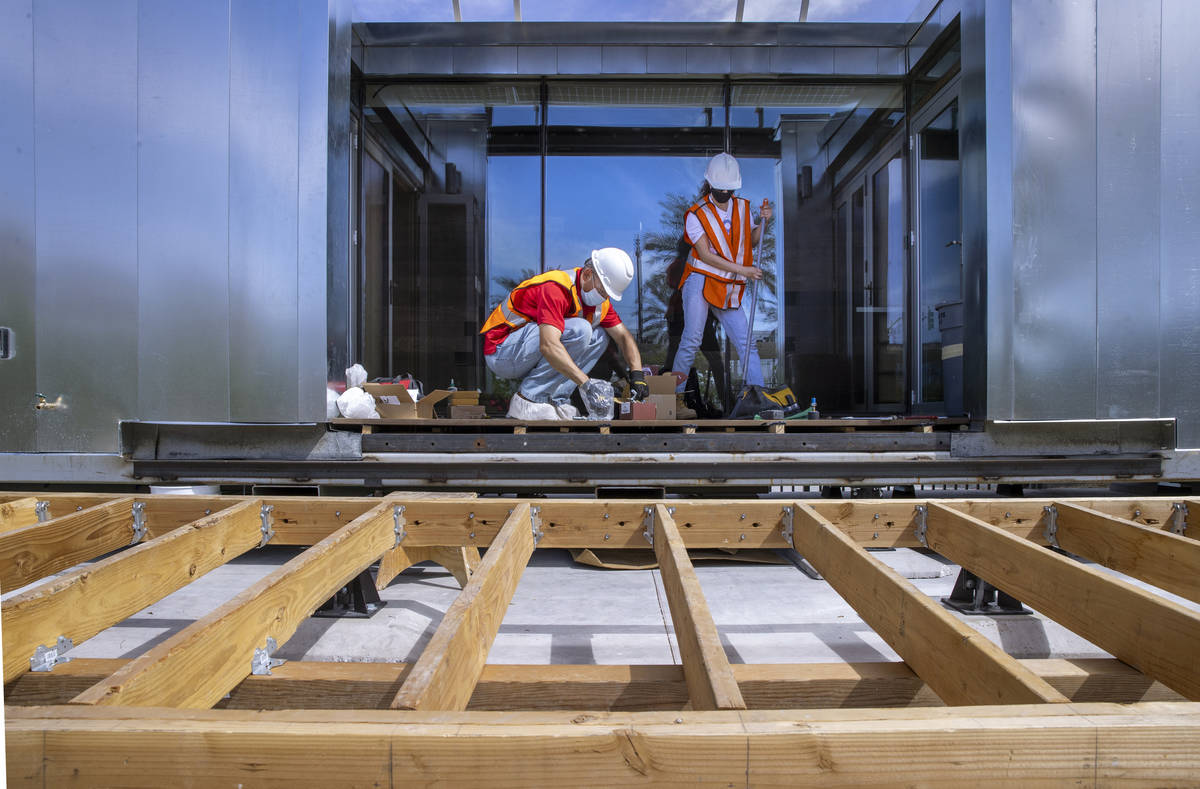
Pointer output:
x,y
870,249
938,295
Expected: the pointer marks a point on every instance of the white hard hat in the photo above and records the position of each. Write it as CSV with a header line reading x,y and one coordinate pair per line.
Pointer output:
x,y
723,172
615,270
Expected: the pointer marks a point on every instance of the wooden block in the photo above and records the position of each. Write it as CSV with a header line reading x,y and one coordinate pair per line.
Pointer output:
x,y
467,411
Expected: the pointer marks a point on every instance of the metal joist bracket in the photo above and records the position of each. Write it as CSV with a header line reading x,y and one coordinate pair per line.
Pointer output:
x,y
789,515
42,510
1051,525
1179,514
535,523
648,522
46,658
921,516
265,527
262,662
139,522
398,524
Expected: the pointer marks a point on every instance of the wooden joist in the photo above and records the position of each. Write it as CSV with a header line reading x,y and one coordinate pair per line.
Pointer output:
x,y
1053,744
636,688
444,677
1149,632
710,681
19,513
201,663
88,600
1155,556
960,664
30,553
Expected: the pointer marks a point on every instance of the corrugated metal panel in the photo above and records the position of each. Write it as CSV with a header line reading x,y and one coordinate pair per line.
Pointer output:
x,y
85,78
183,211
315,152
337,309
1128,118
263,132
1054,198
18,262
1180,326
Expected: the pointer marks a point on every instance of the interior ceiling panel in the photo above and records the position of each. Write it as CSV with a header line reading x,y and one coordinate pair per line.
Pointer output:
x,y
828,95
457,94
633,94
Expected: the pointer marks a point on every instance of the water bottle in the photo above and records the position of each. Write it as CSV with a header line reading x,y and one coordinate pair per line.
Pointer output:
x,y
813,413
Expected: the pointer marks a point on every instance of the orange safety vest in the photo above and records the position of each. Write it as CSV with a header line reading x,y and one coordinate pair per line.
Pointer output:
x,y
508,315
721,288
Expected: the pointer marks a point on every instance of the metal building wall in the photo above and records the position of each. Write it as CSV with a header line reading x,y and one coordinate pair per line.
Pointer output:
x,y
1093,173
165,232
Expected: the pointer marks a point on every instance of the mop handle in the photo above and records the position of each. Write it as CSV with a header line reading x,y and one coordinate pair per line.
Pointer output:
x,y
753,299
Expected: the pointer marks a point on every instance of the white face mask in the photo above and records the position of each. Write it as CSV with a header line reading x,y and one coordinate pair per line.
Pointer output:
x,y
592,298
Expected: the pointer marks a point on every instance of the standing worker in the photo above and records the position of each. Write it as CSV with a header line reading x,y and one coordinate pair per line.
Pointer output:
x,y
714,279
545,334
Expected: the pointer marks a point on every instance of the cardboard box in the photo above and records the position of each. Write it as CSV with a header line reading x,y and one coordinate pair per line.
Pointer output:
x,y
467,411
394,401
664,405
661,384
636,410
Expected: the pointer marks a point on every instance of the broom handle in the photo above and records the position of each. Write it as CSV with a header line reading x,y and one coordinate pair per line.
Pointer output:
x,y
753,301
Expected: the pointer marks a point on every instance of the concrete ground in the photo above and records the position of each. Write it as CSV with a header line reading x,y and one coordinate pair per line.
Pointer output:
x,y
568,613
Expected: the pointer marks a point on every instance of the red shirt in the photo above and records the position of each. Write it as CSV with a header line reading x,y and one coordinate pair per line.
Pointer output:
x,y
547,303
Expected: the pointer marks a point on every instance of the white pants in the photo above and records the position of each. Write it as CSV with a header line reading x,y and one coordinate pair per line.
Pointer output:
x,y
695,314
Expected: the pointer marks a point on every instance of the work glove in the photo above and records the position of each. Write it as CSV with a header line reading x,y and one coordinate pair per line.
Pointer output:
x,y
638,389
597,398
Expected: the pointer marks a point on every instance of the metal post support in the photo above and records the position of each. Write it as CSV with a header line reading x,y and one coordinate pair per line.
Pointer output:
x,y
974,596
356,600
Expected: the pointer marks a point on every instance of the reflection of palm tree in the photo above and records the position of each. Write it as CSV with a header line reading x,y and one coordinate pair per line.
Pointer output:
x,y
506,284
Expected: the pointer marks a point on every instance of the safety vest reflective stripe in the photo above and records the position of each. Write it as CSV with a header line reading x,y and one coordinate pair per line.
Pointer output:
x,y
733,246
507,314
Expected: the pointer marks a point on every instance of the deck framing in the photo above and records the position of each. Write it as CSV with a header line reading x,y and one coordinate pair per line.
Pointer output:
x,y
189,709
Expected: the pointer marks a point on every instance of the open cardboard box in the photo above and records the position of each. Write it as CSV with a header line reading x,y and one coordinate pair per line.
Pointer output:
x,y
394,401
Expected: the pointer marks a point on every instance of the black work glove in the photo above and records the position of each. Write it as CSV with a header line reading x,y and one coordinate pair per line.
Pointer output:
x,y
637,385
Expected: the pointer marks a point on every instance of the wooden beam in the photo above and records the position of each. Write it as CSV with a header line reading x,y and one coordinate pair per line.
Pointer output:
x,y
18,513
960,664
202,662
33,552
637,688
1151,633
1053,744
461,562
98,596
1155,556
444,677
710,681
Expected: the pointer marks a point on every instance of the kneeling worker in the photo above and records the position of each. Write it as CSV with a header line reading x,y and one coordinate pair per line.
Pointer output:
x,y
546,335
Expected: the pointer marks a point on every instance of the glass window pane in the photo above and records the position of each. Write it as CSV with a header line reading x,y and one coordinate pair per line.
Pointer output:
x,y
887,281
514,200
940,246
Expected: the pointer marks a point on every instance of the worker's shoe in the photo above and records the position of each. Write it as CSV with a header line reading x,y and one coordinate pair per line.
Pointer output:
x,y
527,410
566,411
682,411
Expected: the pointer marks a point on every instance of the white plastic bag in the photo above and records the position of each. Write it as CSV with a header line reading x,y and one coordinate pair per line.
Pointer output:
x,y
357,404
356,376
331,405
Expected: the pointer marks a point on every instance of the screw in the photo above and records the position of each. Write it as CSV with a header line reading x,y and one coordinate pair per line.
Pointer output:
x,y
1137,513
208,512
742,517
671,510
606,516
875,536
1008,515
679,720
606,536
337,513
876,516
742,537
470,516
472,535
